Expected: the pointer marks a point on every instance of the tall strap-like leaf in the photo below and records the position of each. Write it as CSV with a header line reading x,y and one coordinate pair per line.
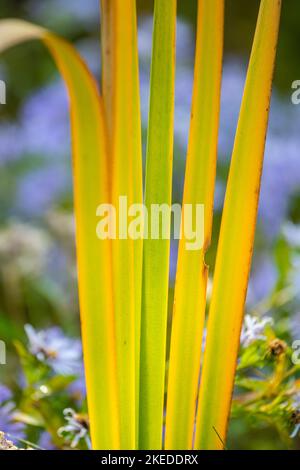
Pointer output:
x,y
120,83
156,251
93,255
237,236
191,278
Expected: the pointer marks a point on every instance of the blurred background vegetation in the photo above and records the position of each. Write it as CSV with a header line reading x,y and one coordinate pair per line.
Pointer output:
x,y
37,248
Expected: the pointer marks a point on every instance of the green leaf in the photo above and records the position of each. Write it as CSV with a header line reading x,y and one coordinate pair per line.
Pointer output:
x,y
156,251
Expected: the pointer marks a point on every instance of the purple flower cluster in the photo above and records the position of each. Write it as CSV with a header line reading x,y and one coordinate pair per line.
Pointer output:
x,y
42,131
8,423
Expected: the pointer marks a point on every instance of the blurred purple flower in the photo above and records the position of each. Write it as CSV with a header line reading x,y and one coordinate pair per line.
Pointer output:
x,y
78,388
44,122
294,277
183,99
173,260
5,393
263,280
291,233
11,143
219,194
45,441
51,346
281,177
38,190
231,95
8,423
42,129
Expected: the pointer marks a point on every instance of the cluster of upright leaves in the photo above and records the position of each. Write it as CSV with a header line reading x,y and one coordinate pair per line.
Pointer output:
x,y
123,285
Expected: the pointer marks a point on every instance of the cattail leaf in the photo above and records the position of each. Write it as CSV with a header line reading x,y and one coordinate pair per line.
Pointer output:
x,y
191,277
120,82
93,256
158,190
237,236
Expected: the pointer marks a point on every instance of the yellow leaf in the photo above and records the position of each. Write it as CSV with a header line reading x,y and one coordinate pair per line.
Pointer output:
x,y
191,277
120,82
237,236
93,256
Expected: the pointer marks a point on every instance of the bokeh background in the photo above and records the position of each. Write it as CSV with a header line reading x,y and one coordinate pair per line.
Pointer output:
x,y
37,253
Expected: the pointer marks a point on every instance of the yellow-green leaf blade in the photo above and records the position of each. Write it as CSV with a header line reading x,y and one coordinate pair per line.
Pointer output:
x,y
93,255
237,236
120,82
156,252
191,278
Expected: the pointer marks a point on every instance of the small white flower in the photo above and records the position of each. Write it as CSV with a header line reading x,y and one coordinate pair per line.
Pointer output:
x,y
75,429
253,329
296,414
296,431
292,233
296,401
